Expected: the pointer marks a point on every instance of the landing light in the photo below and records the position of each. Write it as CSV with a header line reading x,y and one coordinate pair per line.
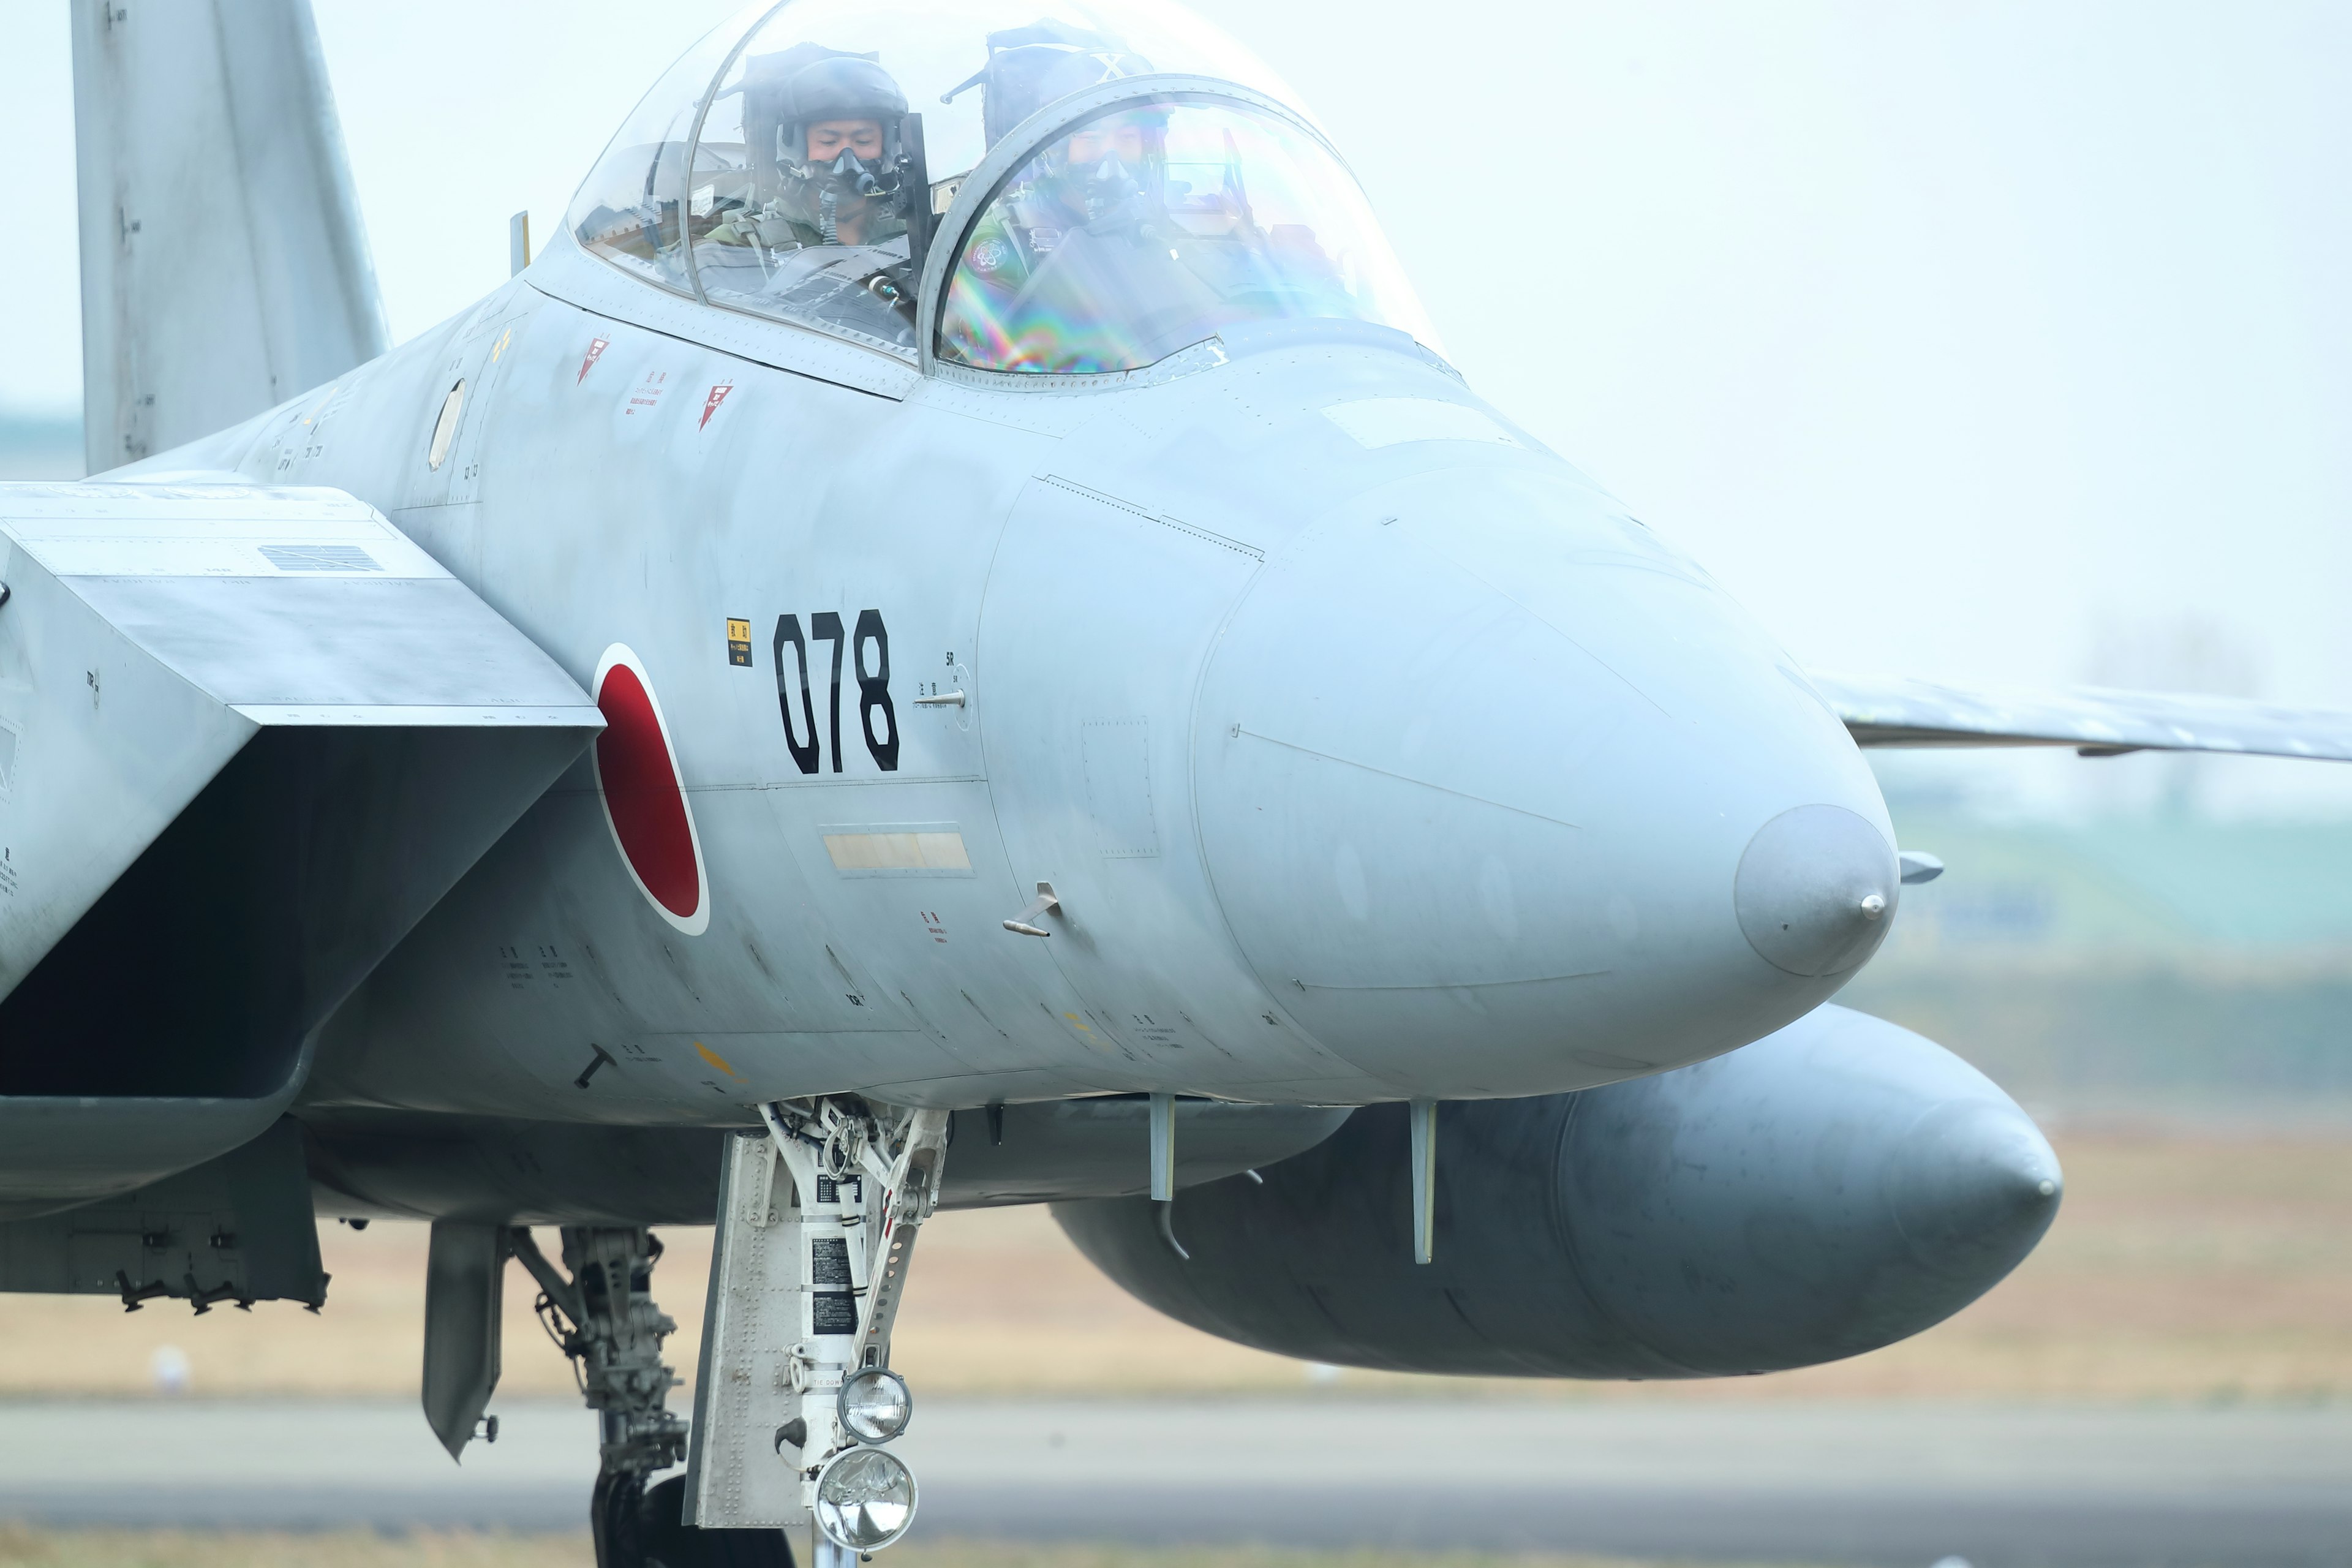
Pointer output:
x,y
865,1499
875,1404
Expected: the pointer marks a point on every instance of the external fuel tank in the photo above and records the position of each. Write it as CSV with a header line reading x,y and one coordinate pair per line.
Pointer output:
x,y
1830,1189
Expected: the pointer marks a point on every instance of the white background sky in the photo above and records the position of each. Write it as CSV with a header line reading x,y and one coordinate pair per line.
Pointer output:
x,y
2005,342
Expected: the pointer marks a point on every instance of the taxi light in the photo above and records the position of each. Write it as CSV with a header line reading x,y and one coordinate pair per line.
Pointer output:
x,y
875,1404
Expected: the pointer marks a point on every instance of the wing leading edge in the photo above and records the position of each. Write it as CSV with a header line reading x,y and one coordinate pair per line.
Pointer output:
x,y
2094,721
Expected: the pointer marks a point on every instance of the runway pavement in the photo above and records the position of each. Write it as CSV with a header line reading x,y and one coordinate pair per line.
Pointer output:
x,y
1863,1483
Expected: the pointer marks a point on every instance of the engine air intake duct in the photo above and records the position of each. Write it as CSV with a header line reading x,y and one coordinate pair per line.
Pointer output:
x,y
1828,1190
262,733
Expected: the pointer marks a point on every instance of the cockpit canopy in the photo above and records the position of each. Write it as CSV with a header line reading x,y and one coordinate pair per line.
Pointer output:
x,y
1154,227
796,162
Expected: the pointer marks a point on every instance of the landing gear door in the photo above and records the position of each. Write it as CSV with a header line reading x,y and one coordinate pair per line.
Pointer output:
x,y
743,1471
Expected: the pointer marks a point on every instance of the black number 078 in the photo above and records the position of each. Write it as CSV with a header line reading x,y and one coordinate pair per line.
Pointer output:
x,y
873,686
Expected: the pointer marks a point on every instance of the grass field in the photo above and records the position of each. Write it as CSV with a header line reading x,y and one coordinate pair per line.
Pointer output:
x,y
2180,1269
165,1549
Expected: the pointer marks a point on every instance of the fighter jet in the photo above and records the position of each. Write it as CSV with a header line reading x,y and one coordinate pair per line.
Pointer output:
x,y
951,638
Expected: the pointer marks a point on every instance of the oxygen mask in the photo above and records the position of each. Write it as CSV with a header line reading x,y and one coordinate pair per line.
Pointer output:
x,y
847,187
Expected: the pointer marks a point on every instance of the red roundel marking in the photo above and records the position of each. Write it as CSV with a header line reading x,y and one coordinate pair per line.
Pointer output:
x,y
640,783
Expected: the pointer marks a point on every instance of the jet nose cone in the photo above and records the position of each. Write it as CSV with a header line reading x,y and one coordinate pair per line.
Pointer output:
x,y
1480,771
1975,1188
1815,890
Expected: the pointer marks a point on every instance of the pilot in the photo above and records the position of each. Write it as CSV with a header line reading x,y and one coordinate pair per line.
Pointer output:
x,y
838,174
1102,177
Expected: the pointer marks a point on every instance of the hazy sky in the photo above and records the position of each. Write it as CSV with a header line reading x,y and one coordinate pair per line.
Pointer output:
x,y
2002,341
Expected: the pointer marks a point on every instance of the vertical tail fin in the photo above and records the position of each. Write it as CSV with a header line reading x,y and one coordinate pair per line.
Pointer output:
x,y
224,269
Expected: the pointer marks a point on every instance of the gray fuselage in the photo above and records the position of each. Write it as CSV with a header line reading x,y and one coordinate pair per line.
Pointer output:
x,y
1372,751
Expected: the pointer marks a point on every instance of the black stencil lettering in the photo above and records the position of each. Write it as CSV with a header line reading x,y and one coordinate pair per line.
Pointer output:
x,y
788,630
824,625
874,689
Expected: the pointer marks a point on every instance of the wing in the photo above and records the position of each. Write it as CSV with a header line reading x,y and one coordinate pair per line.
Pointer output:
x,y
2096,722
248,738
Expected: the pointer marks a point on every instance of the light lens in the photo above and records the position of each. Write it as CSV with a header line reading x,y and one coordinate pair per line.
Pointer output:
x,y
865,1499
875,1404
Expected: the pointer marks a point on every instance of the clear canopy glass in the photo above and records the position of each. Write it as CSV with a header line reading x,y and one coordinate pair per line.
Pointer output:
x,y
779,167
628,209
1155,227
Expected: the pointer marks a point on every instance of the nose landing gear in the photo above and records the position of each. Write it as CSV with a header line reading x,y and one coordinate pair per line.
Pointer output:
x,y
796,1400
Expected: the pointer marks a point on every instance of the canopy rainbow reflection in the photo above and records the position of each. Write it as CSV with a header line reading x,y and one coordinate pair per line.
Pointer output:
x,y
1155,227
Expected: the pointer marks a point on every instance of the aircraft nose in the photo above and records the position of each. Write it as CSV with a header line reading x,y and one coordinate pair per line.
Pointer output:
x,y
1814,890
1501,796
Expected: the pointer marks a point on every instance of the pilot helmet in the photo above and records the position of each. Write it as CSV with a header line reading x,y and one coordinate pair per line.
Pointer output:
x,y
807,85
1029,67
1106,187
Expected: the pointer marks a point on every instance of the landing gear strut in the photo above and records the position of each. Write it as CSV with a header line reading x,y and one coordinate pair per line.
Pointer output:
x,y
796,1403
604,1318
867,1177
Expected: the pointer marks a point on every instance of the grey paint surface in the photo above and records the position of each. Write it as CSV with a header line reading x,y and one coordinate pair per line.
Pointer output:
x,y
153,630
1172,970
67,1150
1086,576
1801,920
255,734
240,1229
1834,1187
1893,1483
224,268
416,1165
464,1276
